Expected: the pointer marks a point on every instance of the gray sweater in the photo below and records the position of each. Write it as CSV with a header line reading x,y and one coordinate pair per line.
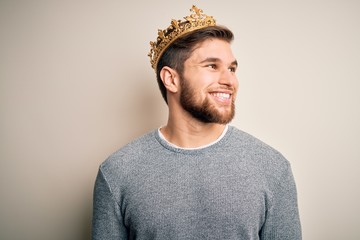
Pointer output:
x,y
237,188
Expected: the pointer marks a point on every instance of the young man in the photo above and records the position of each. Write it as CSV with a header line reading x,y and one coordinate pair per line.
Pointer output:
x,y
196,177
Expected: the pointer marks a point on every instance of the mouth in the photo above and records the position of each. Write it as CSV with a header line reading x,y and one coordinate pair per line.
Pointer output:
x,y
222,97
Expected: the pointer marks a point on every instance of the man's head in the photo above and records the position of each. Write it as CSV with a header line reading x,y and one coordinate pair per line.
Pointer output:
x,y
182,53
181,49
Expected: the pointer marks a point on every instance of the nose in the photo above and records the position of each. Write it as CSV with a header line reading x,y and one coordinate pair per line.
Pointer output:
x,y
228,78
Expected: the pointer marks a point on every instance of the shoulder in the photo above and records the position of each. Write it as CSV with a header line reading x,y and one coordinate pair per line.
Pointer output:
x,y
127,157
261,155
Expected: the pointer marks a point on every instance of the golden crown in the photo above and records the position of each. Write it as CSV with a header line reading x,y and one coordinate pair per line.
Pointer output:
x,y
178,28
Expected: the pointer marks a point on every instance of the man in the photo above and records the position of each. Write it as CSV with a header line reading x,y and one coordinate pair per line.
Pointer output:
x,y
196,177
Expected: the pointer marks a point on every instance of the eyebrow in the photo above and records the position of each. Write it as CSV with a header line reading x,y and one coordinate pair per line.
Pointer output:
x,y
214,59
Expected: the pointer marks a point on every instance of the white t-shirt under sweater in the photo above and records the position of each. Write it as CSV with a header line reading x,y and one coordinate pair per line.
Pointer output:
x,y
235,188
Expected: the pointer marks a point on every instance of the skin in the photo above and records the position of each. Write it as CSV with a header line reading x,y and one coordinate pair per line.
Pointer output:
x,y
210,74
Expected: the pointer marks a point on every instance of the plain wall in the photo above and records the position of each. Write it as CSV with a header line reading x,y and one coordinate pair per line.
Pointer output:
x,y
76,85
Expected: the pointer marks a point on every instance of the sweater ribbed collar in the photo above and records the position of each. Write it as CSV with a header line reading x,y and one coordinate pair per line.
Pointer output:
x,y
160,137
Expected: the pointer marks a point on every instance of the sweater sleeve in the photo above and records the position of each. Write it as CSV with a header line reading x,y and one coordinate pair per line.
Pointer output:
x,y
107,222
282,218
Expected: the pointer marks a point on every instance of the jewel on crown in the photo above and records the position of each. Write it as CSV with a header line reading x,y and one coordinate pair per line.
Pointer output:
x,y
178,28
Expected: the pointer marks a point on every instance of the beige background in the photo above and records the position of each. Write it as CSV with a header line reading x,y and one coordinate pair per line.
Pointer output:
x,y
76,84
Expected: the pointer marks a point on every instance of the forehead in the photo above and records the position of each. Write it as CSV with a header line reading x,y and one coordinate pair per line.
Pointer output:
x,y
212,48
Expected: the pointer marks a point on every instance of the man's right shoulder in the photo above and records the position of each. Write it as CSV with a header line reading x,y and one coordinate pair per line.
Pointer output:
x,y
130,154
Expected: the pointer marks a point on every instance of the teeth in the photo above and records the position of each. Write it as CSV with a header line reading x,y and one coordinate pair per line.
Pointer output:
x,y
221,95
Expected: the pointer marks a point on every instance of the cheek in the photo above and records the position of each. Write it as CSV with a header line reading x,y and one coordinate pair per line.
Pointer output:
x,y
236,83
200,81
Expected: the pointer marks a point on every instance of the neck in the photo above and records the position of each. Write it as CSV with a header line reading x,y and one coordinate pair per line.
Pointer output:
x,y
191,133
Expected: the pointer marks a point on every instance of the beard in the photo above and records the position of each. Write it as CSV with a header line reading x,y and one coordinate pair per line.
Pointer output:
x,y
204,111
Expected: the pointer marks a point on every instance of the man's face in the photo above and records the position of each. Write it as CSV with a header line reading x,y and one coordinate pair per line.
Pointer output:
x,y
209,83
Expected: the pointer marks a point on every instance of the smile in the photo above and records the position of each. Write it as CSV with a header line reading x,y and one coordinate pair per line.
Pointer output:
x,y
224,96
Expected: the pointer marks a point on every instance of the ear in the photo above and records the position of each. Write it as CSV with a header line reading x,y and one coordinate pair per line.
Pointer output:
x,y
170,79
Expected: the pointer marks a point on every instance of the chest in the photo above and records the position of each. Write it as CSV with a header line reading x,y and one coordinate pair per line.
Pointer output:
x,y
191,197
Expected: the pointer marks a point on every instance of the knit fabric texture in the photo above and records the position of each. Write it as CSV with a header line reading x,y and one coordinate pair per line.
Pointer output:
x,y
237,188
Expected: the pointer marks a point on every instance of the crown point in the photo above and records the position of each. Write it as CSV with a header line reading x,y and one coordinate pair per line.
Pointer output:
x,y
196,20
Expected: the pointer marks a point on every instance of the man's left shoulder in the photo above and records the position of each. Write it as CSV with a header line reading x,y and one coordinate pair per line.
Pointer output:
x,y
258,151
